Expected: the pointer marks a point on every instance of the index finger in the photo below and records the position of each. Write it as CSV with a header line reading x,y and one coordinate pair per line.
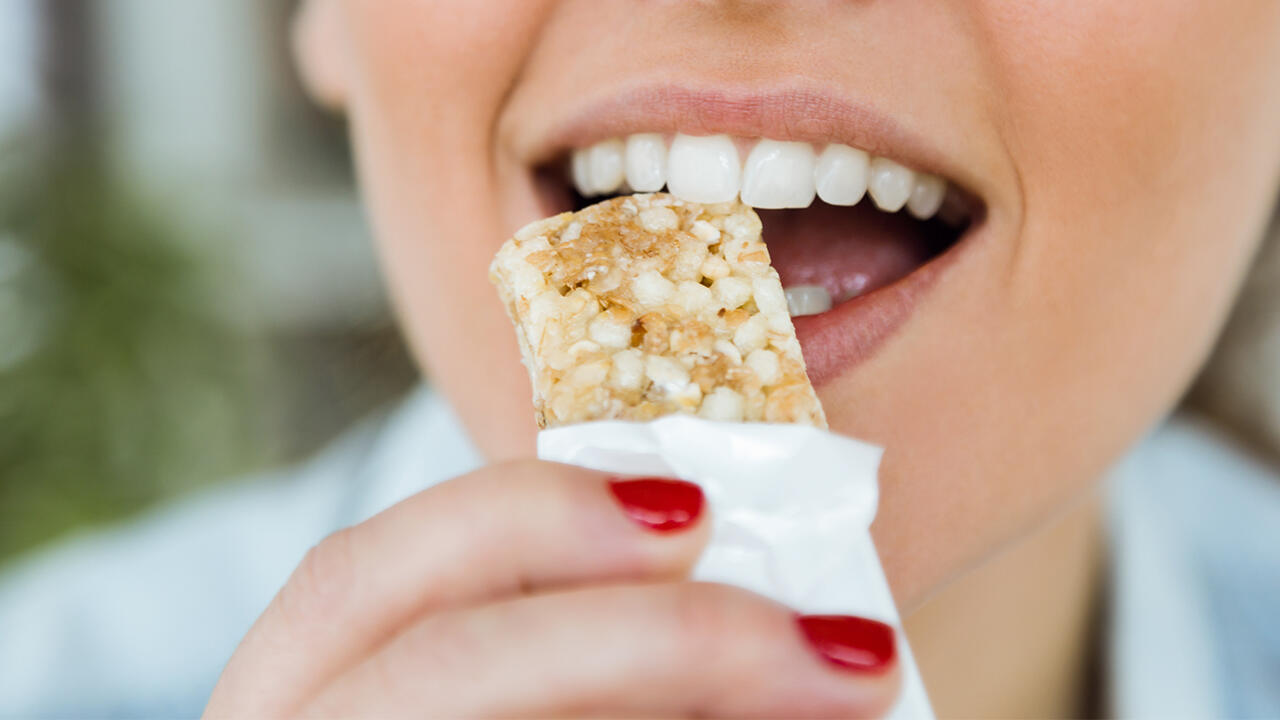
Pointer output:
x,y
502,530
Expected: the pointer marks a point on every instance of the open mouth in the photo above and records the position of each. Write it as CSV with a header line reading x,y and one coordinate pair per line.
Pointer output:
x,y
855,237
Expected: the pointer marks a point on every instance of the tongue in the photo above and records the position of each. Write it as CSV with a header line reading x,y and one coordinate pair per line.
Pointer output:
x,y
848,251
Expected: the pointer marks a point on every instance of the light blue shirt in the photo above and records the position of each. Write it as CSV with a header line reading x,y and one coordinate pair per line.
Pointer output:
x,y
137,621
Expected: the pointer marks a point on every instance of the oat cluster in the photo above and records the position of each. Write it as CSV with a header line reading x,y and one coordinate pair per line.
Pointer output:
x,y
646,305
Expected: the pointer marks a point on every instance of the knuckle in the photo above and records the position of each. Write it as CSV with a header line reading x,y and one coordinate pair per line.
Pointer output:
x,y
706,618
532,510
444,645
321,584
425,661
532,486
384,675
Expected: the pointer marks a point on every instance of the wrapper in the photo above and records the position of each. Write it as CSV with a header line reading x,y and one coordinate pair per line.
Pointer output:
x,y
791,507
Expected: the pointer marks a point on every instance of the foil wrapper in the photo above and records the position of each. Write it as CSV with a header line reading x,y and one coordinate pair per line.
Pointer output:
x,y
791,511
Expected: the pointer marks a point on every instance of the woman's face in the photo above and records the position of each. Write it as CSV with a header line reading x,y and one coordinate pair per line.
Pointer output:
x,y
1120,160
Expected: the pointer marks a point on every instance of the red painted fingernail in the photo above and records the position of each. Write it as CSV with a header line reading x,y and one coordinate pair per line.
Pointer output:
x,y
851,643
657,503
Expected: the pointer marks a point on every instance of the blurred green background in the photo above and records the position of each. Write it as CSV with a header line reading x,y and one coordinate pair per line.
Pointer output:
x,y
187,292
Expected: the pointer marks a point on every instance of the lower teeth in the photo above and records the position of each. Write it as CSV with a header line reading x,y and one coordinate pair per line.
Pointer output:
x,y
807,300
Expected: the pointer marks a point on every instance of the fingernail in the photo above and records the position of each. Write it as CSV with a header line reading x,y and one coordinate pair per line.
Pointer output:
x,y
848,642
657,503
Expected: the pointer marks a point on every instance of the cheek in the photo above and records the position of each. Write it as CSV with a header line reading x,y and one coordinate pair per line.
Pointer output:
x,y
429,81
1152,115
1146,175
1146,139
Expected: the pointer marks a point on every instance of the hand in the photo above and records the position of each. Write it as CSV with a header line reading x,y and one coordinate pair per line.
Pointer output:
x,y
535,589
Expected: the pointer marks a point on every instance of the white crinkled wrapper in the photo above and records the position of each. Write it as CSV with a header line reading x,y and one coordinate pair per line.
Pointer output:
x,y
791,508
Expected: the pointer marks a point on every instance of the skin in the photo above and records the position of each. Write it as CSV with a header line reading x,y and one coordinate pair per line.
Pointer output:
x,y
1126,154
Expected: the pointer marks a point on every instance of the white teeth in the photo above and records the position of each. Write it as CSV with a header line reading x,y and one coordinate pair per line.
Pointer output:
x,y
926,196
841,175
581,176
646,162
703,169
889,184
807,300
778,175
604,166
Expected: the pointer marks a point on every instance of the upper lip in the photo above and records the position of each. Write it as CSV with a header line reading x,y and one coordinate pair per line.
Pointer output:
x,y
799,114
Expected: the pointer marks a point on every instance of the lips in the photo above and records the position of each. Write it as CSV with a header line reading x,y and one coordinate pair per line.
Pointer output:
x,y
856,236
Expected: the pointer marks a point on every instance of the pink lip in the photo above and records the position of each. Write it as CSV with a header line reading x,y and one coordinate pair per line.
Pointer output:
x,y
841,338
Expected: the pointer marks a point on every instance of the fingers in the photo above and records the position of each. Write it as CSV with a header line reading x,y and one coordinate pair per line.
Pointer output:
x,y
505,529
673,649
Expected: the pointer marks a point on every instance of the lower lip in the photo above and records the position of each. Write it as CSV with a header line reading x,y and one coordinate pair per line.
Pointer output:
x,y
841,338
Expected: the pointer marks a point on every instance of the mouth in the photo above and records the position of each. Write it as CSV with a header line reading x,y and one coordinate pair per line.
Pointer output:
x,y
858,227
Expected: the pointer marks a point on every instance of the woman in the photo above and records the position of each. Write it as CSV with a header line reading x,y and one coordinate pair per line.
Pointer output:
x,y
1109,170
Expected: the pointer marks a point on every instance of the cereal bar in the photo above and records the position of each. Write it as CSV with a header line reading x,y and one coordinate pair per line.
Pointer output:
x,y
646,305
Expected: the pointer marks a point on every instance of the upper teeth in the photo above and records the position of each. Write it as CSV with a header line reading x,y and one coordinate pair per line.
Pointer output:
x,y
779,175
646,163
889,184
704,169
926,196
841,175
776,174
604,166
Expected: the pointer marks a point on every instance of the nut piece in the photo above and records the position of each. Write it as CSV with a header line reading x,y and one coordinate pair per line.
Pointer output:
x,y
647,305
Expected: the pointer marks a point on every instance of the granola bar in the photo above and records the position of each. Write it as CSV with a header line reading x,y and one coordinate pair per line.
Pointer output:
x,y
646,305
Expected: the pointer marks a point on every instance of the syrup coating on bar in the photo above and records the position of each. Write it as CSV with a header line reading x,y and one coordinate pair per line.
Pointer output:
x,y
646,305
